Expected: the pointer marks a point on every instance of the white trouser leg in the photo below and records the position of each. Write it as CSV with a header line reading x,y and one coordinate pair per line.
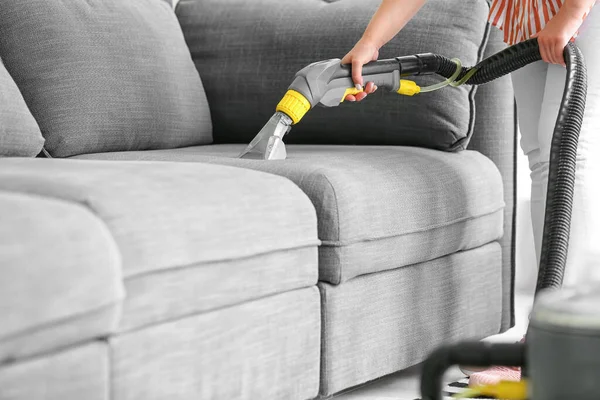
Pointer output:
x,y
538,90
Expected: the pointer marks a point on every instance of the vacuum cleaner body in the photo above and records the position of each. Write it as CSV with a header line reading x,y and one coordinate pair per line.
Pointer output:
x,y
560,356
563,345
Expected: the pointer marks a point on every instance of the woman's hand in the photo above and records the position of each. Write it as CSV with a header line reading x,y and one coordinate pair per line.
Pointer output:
x,y
553,38
363,52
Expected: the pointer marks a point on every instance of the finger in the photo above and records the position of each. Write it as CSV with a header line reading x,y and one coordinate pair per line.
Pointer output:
x,y
350,98
559,54
370,87
375,55
552,52
543,52
556,54
549,51
360,96
357,72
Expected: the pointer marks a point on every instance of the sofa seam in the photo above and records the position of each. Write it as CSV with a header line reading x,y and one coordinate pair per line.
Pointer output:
x,y
338,243
485,39
195,313
323,373
514,216
58,322
206,263
62,320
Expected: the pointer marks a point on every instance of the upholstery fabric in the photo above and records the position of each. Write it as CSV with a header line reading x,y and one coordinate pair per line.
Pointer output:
x,y
381,323
173,215
195,221
378,207
496,136
61,277
104,75
248,52
171,294
20,134
265,349
72,374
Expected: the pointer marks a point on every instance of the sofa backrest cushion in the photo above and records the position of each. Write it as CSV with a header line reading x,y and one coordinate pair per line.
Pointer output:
x,y
247,52
104,75
20,135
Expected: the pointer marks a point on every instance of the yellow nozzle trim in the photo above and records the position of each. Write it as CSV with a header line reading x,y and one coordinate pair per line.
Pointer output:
x,y
503,390
351,91
294,105
408,88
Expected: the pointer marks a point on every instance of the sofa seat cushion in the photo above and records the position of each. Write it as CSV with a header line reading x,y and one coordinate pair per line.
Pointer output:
x,y
192,237
60,275
378,207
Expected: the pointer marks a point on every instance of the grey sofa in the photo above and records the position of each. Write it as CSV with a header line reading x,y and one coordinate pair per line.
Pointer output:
x,y
173,270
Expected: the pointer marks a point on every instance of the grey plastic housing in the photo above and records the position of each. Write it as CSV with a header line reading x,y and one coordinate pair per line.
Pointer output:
x,y
563,345
325,82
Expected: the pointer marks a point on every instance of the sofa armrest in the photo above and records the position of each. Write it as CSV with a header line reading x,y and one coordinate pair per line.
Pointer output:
x,y
60,275
495,136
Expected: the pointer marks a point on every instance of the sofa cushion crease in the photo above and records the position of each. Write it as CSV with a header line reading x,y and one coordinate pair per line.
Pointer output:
x,y
484,213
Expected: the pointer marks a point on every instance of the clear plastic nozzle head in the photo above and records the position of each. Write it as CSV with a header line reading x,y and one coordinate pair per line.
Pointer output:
x,y
268,144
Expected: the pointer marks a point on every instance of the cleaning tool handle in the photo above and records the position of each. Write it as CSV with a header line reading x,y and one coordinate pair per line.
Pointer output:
x,y
328,82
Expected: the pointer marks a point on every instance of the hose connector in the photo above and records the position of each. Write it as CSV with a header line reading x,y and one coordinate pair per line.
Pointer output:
x,y
408,88
294,105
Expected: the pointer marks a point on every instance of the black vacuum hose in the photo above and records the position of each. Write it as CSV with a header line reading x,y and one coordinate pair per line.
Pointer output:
x,y
563,154
559,200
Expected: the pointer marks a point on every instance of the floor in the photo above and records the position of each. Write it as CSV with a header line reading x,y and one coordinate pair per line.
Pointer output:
x,y
405,385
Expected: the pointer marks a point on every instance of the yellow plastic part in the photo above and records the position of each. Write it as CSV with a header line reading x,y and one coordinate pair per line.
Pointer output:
x,y
506,390
408,88
351,91
294,105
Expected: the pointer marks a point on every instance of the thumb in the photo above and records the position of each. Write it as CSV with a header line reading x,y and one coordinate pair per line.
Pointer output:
x,y
346,59
357,71
375,55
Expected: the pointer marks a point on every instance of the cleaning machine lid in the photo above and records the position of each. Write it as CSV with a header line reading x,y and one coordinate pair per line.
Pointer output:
x,y
568,308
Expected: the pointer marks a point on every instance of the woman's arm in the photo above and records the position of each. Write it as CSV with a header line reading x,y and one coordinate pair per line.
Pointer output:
x,y
389,19
579,7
